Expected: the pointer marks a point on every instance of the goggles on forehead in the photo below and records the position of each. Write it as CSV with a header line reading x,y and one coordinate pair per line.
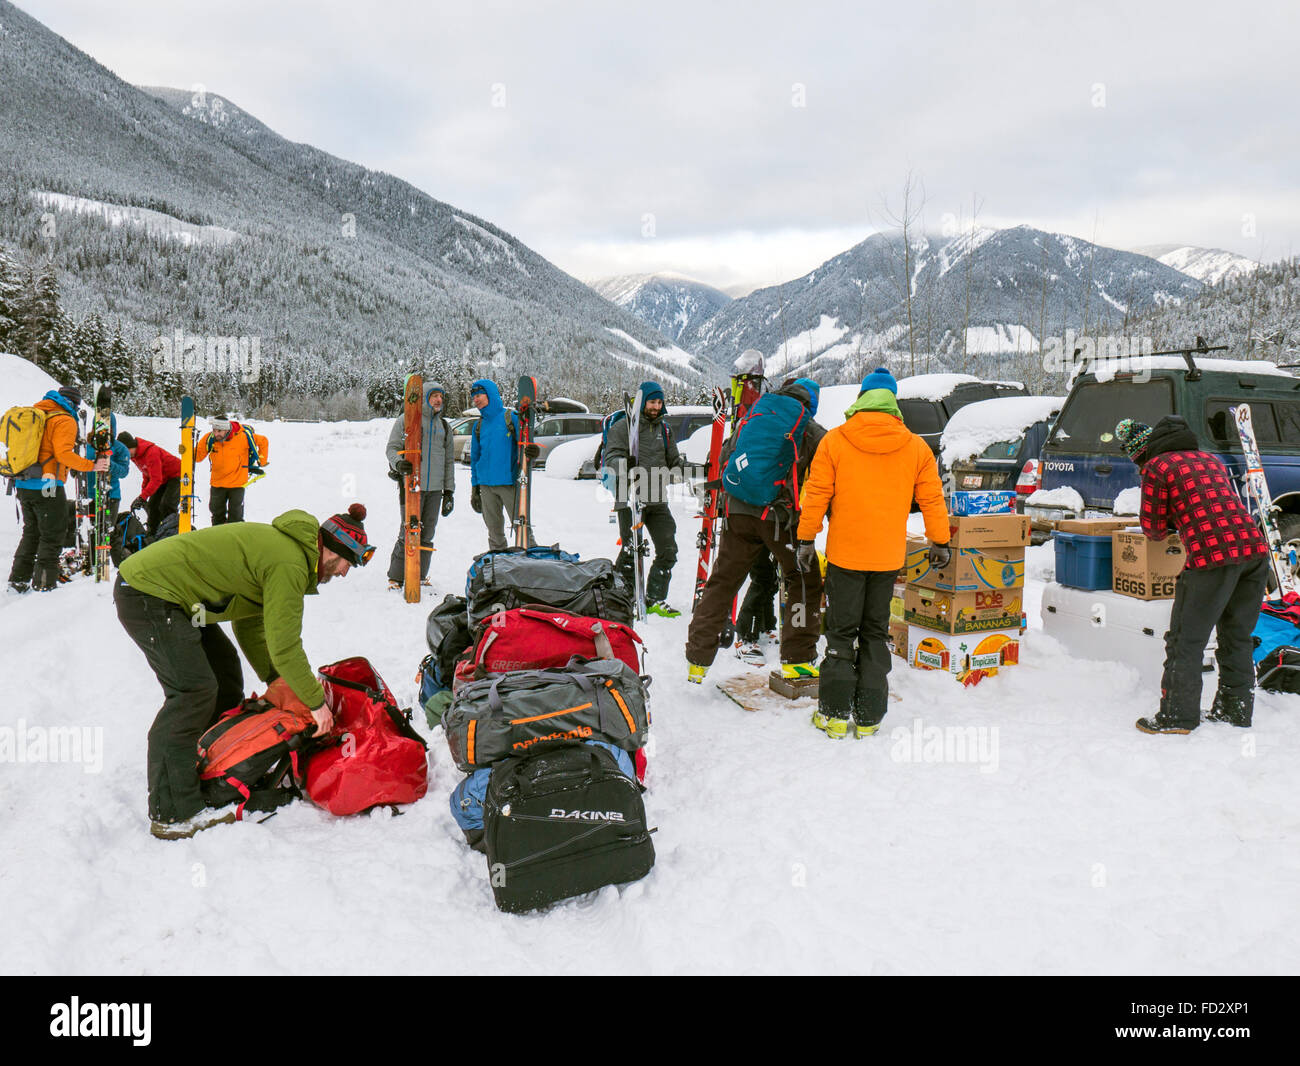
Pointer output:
x,y
359,553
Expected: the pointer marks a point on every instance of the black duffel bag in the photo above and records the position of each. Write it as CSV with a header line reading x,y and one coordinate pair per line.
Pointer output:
x,y
448,634
519,577
560,823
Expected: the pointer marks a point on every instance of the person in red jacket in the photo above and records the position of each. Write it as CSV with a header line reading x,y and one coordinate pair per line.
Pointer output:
x,y
1223,580
161,471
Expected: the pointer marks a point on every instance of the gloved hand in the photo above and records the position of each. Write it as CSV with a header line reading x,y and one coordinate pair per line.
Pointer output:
x,y
476,500
940,555
137,503
404,467
532,450
806,557
448,503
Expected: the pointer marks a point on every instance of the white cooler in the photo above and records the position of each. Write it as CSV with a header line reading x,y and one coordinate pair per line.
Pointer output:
x,y
1107,627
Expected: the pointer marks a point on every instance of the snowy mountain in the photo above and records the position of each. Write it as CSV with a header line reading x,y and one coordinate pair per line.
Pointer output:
x,y
1210,265
673,304
988,292
346,274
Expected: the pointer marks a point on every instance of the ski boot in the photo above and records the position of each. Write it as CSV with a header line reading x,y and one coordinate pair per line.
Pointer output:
x,y
861,732
661,608
1236,710
17,588
394,586
695,674
750,653
187,827
835,728
798,671
1162,723
426,583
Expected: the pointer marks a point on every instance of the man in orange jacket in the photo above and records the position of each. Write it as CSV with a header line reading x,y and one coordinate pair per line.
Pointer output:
x,y
235,452
41,494
867,472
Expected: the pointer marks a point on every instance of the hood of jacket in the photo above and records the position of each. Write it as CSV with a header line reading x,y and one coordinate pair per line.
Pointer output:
x,y
62,401
875,400
1170,434
877,432
650,390
812,393
305,530
494,405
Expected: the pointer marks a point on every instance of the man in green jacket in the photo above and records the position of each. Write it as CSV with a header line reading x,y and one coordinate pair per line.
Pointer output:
x,y
170,598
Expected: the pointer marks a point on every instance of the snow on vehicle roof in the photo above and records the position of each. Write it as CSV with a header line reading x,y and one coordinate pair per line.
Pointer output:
x,y
977,425
1106,369
937,386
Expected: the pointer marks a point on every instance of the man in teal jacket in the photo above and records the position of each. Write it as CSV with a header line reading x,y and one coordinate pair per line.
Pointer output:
x,y
494,456
170,598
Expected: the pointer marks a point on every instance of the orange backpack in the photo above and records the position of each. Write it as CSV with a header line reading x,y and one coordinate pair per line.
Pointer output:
x,y
251,755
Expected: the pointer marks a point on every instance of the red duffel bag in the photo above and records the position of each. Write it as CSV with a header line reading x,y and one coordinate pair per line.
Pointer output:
x,y
539,638
379,757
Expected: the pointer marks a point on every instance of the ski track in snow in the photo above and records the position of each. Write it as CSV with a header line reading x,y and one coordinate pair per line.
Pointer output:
x,y
1092,848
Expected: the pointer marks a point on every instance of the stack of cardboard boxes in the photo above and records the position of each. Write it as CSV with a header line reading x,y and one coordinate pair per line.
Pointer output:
x,y
1141,568
967,617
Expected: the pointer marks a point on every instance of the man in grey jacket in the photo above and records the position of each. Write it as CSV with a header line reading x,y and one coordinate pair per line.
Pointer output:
x,y
437,479
657,457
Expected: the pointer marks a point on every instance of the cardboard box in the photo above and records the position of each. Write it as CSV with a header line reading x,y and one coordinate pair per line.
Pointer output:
x,y
896,602
989,531
984,502
963,612
1093,527
898,638
962,654
970,568
1146,569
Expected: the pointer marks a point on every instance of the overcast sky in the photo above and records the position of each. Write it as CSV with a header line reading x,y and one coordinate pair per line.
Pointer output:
x,y
744,143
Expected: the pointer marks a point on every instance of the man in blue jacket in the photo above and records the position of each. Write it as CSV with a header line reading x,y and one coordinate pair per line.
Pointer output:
x,y
494,462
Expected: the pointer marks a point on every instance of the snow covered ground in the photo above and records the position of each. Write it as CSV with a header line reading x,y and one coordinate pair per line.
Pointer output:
x,y
1065,842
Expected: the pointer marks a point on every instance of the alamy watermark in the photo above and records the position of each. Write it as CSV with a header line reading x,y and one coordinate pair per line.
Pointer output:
x,y
184,353
946,744
49,744
1113,354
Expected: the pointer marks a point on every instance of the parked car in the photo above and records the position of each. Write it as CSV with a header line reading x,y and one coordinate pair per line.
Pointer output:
x,y
928,401
683,420
986,444
460,431
549,431
1082,453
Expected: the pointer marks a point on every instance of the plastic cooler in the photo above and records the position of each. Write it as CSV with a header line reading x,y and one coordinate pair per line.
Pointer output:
x,y
1084,561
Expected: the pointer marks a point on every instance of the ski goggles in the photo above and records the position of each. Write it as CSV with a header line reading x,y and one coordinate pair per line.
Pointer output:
x,y
357,552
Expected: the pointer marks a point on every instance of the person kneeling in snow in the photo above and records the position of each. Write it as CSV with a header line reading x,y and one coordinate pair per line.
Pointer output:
x,y
1223,581
170,597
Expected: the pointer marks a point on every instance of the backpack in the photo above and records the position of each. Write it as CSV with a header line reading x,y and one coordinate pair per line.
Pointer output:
x,y
764,458
128,537
1277,645
560,823
548,577
537,638
21,431
376,757
516,713
448,634
467,798
252,755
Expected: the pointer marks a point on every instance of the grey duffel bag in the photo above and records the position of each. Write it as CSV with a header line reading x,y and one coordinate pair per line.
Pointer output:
x,y
516,713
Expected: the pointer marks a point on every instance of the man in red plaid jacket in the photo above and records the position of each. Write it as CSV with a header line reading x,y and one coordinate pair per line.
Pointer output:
x,y
1223,581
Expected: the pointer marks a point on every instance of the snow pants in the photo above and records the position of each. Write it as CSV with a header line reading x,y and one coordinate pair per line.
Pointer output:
x,y
743,539
1226,598
498,502
166,499
662,529
855,670
45,525
757,614
226,505
201,677
430,509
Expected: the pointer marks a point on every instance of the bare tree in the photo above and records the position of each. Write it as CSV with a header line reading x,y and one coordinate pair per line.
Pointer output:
x,y
904,221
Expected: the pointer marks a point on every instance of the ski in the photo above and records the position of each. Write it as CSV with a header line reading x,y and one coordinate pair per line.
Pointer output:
x,y
1282,561
638,547
708,537
412,401
189,442
101,440
527,399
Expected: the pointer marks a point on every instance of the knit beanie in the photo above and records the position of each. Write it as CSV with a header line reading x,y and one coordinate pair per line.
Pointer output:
x,y
127,439
1133,437
345,535
879,379
72,394
221,425
813,390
